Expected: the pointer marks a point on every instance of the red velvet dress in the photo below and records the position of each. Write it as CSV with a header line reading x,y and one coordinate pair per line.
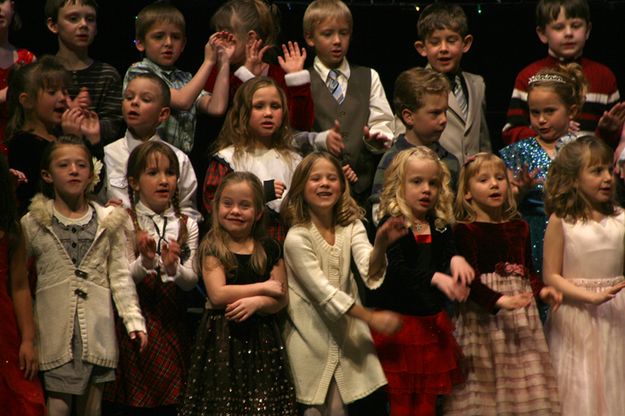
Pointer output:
x,y
18,396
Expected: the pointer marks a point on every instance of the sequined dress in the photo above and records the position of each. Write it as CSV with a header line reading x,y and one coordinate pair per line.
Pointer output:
x,y
240,369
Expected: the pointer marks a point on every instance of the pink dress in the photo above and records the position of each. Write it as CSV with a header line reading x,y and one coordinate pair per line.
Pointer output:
x,y
587,342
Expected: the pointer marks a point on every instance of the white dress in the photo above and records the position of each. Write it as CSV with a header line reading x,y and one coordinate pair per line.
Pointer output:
x,y
587,342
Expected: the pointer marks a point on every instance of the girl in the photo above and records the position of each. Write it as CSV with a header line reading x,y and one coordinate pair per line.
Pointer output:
x,y
255,27
555,96
255,138
584,260
238,365
79,251
506,356
326,335
37,100
423,359
20,391
165,246
9,56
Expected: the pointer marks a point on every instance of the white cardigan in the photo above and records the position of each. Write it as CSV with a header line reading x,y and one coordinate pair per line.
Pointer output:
x,y
322,341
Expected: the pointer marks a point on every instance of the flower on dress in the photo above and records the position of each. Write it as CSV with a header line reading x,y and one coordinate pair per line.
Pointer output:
x,y
97,169
506,269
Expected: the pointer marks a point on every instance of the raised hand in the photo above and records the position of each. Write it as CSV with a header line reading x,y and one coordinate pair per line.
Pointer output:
x,y
71,121
146,246
391,231
170,256
82,100
524,179
254,56
294,57
334,140
377,139
613,119
18,176
90,126
225,45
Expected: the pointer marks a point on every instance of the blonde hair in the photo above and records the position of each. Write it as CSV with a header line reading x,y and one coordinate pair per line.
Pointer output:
x,y
158,12
567,81
472,167
393,198
215,242
319,10
412,85
295,209
562,197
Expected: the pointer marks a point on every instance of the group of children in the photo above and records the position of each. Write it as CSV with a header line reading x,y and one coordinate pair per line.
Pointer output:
x,y
353,261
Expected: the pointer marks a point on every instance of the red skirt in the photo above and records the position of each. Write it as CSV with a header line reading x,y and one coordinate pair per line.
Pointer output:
x,y
423,357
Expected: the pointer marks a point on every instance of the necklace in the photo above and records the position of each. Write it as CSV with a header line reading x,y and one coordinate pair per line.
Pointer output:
x,y
419,226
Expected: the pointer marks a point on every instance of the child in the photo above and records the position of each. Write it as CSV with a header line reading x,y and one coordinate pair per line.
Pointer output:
x,y
420,101
239,366
160,37
555,96
96,86
422,360
166,241
349,99
584,260
9,56
37,100
443,39
79,250
20,391
564,26
145,105
506,357
255,138
329,344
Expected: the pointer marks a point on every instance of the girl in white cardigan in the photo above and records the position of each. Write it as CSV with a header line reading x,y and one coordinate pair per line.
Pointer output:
x,y
327,339
80,252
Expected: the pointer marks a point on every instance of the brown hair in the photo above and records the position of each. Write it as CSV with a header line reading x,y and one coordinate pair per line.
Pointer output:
x,y
412,85
562,197
294,208
463,208
241,16
319,10
567,81
215,242
440,16
548,10
52,7
162,86
46,159
156,13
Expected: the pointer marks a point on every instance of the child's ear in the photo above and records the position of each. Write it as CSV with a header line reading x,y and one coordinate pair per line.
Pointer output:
x,y
573,110
407,117
133,183
310,41
139,45
589,27
541,35
252,36
466,43
52,27
468,196
164,114
46,176
25,101
420,47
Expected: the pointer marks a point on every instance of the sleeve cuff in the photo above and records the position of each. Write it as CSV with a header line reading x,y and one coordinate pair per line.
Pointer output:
x,y
298,78
243,74
320,140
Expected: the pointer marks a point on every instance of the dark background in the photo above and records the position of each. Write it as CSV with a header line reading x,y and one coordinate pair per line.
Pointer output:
x,y
384,33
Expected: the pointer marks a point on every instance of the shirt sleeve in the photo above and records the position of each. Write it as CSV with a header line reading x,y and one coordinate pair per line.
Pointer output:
x,y
381,118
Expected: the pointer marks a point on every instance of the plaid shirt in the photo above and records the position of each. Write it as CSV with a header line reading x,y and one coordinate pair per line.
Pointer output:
x,y
179,128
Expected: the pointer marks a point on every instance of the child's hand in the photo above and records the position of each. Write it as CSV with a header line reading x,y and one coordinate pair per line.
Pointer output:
x,y
452,288
140,337
90,126
254,57
29,362
377,139
243,309
334,140
81,101
278,188
385,322
349,173
146,246
573,126
18,176
294,58
114,202
525,180
225,45
612,120
551,296
606,295
461,271
170,256
71,120
515,301
210,53
274,288
391,231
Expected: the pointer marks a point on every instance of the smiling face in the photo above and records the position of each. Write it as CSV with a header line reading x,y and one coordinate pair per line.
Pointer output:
x,y
566,37
266,114
142,107
69,171
487,192
163,44
46,107
443,49
237,211
330,38
421,186
75,26
157,183
323,187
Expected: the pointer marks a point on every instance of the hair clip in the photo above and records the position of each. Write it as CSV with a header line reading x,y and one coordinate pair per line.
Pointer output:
x,y
546,78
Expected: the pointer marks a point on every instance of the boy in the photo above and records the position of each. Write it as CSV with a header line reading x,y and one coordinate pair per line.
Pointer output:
x,y
96,85
145,105
350,119
160,37
564,26
420,100
444,37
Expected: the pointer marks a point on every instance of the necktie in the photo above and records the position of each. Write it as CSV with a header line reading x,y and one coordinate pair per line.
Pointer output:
x,y
334,86
460,97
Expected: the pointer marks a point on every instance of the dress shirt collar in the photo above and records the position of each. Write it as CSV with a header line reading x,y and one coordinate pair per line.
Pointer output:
x,y
324,70
133,142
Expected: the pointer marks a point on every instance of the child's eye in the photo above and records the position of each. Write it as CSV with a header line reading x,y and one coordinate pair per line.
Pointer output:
x,y
557,27
276,106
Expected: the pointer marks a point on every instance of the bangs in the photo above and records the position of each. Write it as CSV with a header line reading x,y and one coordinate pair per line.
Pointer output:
x,y
54,79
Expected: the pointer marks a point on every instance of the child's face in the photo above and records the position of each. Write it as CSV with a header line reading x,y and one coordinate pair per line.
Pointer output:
x,y
549,116
142,107
596,183
75,25
330,38
237,212
157,184
323,186
6,14
428,122
565,36
421,185
266,113
48,106
444,49
488,189
163,44
69,171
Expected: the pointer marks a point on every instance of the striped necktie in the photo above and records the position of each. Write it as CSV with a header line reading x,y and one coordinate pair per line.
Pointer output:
x,y
460,97
334,86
